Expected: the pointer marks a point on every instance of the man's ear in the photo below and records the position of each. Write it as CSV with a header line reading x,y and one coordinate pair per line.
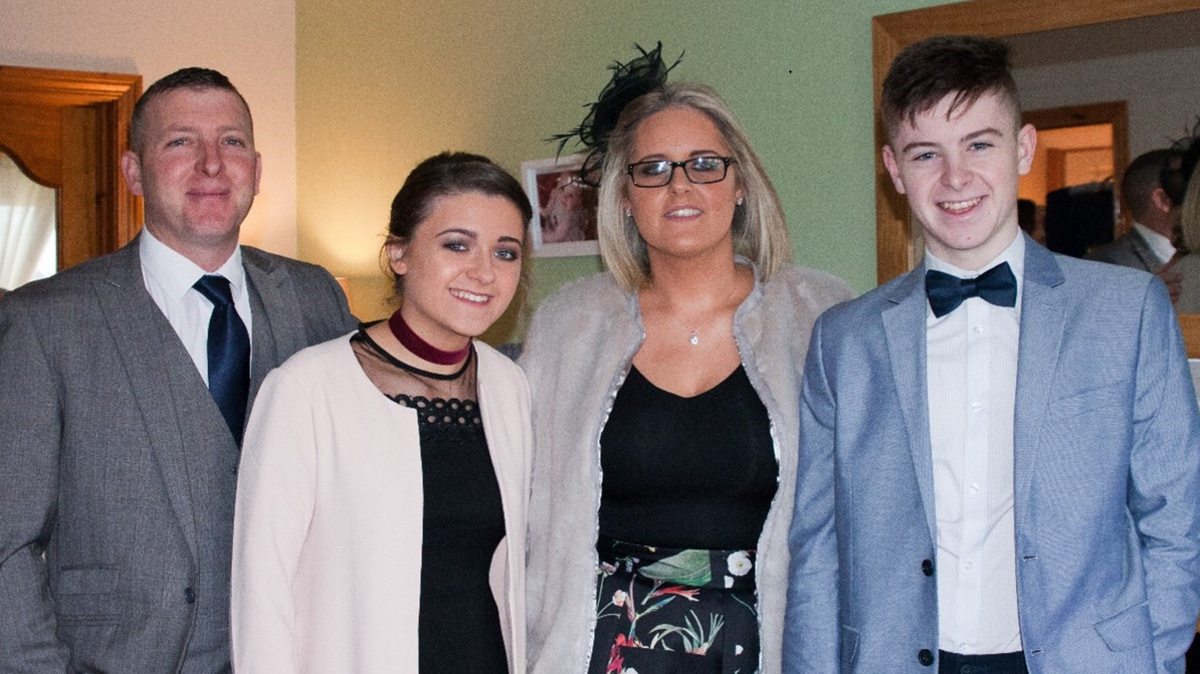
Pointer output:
x,y
1026,145
131,167
889,160
1161,201
257,171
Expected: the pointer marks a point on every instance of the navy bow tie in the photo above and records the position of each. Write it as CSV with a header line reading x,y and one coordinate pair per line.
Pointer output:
x,y
996,285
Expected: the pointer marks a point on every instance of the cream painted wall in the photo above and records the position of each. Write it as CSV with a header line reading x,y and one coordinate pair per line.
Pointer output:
x,y
251,42
382,85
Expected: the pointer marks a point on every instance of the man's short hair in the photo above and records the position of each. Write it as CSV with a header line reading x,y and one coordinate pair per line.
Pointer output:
x,y
925,72
184,78
1143,176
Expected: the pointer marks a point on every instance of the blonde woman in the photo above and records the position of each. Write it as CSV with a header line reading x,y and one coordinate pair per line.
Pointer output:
x,y
667,397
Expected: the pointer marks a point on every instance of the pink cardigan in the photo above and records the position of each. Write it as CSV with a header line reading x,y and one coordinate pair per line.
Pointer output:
x,y
327,534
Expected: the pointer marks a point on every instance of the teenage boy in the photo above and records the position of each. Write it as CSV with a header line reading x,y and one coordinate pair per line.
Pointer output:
x,y
1007,440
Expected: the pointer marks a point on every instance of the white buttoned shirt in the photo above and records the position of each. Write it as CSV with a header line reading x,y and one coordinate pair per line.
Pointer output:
x,y
972,375
169,277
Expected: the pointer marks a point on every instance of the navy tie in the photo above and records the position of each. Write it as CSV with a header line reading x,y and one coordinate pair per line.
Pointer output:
x,y
997,285
228,353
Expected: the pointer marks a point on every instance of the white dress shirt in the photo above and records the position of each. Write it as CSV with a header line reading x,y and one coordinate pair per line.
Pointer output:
x,y
169,277
972,375
1160,245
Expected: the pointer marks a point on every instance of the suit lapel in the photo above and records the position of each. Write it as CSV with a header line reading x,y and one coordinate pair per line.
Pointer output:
x,y
158,369
1143,252
904,331
1043,315
276,316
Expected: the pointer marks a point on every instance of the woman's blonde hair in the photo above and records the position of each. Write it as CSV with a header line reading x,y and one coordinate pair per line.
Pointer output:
x,y
759,230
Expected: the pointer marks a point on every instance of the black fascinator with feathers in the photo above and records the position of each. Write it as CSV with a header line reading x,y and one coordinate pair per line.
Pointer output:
x,y
640,76
1174,178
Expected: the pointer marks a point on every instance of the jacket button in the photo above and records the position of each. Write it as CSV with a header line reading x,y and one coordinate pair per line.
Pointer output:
x,y
925,657
189,595
927,567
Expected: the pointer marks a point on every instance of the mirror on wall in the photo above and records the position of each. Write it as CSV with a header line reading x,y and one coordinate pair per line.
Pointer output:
x,y
28,231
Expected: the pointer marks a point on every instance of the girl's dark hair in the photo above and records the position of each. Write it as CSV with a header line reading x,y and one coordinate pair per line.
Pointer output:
x,y
447,174
450,174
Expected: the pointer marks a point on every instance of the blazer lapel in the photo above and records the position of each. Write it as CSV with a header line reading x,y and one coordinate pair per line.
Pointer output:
x,y
158,370
904,331
278,325
1043,315
1144,254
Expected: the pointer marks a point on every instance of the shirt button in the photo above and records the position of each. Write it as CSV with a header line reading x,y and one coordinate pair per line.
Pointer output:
x,y
977,329
927,567
968,565
189,595
975,407
974,488
925,657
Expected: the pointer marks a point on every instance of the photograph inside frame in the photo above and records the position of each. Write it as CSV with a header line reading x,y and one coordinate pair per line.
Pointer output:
x,y
564,207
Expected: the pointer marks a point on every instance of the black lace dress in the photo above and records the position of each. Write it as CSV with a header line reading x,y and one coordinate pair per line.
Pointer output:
x,y
459,623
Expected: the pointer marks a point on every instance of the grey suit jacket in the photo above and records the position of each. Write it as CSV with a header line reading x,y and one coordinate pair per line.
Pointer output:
x,y
1127,250
104,420
1106,480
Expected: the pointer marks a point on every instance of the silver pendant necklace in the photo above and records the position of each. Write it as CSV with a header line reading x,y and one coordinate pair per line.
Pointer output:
x,y
694,333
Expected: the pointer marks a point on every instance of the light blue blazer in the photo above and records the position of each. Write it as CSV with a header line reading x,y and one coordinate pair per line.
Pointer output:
x,y
1106,481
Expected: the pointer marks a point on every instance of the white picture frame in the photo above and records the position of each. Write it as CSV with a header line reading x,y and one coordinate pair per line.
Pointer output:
x,y
564,209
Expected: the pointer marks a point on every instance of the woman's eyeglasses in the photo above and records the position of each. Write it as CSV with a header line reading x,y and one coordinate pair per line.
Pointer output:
x,y
699,170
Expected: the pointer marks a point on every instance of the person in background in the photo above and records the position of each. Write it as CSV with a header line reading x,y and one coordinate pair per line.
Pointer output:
x,y
1150,244
383,487
1007,439
664,394
1030,220
124,383
1183,189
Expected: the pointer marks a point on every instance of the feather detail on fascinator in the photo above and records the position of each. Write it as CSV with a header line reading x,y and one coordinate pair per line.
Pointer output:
x,y
642,75
1175,176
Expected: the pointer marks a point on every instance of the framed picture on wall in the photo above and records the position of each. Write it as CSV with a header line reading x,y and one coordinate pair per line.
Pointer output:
x,y
564,208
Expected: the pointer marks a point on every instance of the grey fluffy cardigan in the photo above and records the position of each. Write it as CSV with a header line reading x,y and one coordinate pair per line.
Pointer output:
x,y
580,346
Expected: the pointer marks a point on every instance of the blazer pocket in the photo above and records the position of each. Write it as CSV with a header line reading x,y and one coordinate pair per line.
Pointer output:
x,y
1086,401
1128,629
849,643
87,593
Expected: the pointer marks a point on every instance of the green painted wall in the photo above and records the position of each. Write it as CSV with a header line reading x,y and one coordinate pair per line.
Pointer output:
x,y
381,85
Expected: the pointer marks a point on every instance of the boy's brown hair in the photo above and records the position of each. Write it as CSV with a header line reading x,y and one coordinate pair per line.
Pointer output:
x,y
925,72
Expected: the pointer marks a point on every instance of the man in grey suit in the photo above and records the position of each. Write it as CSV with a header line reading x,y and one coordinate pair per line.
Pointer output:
x,y
117,463
1000,451
1150,244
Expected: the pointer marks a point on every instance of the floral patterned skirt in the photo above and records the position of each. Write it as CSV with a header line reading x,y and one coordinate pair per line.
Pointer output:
x,y
671,611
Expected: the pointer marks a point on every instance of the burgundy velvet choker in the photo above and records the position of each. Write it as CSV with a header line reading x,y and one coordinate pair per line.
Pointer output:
x,y
421,348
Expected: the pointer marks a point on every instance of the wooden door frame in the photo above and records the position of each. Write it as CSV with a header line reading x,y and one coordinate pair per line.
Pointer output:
x,y
70,130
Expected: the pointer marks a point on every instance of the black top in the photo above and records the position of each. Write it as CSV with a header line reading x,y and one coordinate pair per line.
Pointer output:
x,y
463,520
695,472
